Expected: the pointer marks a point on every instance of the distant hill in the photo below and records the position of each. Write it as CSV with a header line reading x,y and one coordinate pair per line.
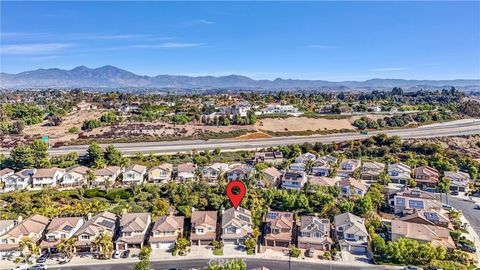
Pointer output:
x,y
113,77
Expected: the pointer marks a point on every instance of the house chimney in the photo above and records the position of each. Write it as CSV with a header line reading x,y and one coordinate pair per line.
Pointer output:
x,y
89,216
19,219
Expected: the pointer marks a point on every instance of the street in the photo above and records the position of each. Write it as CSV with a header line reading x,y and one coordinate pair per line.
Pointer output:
x,y
468,210
454,128
182,264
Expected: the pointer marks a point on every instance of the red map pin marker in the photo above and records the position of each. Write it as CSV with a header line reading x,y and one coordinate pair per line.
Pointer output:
x,y
236,199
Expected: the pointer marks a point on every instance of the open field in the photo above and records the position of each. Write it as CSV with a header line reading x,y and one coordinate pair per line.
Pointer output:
x,y
302,124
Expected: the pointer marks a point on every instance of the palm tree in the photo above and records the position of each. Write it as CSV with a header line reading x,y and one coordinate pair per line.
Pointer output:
x,y
104,245
67,245
28,248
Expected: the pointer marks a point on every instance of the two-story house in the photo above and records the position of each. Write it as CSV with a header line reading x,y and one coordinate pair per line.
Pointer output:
x,y
314,232
106,177
407,201
271,177
458,180
203,228
236,226
298,167
294,180
351,233
104,222
426,177
133,231
161,173
436,236
60,228
75,177
371,170
6,225
352,187
274,157
239,172
31,228
348,167
165,232
213,172
321,167
186,172
279,229
430,217
44,178
18,181
399,173
305,158
134,175
4,173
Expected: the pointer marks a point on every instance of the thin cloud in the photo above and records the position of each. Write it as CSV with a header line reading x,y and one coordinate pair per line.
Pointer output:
x,y
320,46
168,45
390,69
200,21
39,48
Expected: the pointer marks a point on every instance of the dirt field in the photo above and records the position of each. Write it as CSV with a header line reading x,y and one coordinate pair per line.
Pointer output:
x,y
302,124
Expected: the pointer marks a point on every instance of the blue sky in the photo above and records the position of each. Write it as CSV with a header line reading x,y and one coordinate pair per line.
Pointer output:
x,y
264,40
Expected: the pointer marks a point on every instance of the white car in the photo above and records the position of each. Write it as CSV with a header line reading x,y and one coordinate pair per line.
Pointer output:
x,y
39,267
21,267
117,254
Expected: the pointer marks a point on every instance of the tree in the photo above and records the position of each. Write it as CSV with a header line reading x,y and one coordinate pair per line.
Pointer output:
x,y
143,265
91,124
67,246
181,246
103,245
27,244
251,245
113,156
160,207
95,156
294,251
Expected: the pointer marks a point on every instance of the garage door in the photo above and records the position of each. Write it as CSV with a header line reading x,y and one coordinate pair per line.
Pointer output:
x,y
166,245
358,250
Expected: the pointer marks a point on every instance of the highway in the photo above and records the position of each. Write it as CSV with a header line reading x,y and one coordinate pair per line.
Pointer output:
x,y
184,264
454,128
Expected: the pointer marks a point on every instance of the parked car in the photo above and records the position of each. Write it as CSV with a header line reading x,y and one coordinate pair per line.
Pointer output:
x,y
39,267
477,206
412,268
125,254
64,259
454,193
467,248
447,207
43,258
309,252
116,254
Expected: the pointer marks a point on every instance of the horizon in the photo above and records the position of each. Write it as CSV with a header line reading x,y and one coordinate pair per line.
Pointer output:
x,y
241,75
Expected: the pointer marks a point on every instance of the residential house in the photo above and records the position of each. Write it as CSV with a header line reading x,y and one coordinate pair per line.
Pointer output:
x,y
203,228
186,172
437,236
44,178
371,170
31,228
4,173
294,180
134,175
348,167
75,177
298,167
305,158
271,177
274,157
279,229
6,225
281,109
314,232
351,233
458,180
161,173
321,167
426,177
106,177
236,226
165,232
399,173
19,181
213,172
407,201
133,231
352,187
431,217
239,172
323,181
60,228
104,222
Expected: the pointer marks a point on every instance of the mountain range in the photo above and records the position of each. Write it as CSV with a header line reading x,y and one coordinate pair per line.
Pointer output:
x,y
112,77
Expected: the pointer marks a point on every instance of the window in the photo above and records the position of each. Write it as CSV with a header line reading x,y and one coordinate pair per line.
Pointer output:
x,y
199,230
85,237
416,204
350,236
317,235
231,229
400,201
